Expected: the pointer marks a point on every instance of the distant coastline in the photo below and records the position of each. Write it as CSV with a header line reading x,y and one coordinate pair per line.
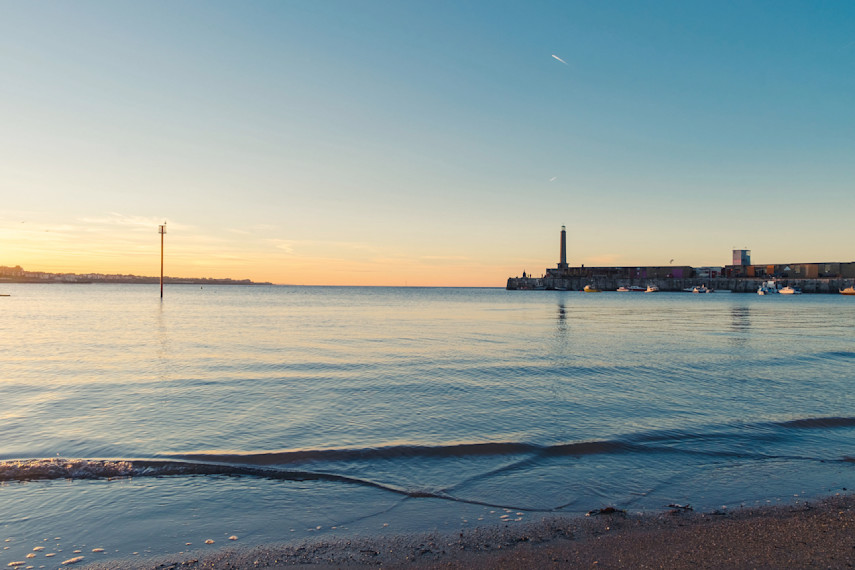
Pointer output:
x,y
19,275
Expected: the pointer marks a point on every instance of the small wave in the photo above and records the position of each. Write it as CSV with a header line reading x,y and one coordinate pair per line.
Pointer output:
x,y
56,468
368,454
596,447
286,464
272,464
843,354
832,422
39,469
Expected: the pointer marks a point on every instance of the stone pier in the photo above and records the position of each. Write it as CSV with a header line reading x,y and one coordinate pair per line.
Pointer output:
x,y
735,285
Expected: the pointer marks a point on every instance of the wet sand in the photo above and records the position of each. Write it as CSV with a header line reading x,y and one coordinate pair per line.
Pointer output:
x,y
802,535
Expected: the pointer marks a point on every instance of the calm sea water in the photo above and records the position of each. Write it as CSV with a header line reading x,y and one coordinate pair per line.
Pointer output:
x,y
279,413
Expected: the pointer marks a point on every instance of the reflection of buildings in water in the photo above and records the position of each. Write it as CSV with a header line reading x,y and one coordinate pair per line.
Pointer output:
x,y
740,323
562,317
740,319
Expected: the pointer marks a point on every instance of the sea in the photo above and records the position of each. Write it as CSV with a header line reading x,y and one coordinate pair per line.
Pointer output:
x,y
133,426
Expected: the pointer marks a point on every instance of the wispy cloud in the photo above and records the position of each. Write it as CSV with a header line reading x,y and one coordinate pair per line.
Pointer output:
x,y
311,247
286,246
117,219
559,59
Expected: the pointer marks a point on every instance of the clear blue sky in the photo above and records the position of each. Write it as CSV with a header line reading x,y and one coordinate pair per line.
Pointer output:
x,y
423,143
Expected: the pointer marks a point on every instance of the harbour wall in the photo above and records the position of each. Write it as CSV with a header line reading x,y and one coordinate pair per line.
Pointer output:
x,y
736,285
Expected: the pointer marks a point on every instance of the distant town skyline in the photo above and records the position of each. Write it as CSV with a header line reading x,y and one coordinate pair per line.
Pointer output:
x,y
18,274
439,143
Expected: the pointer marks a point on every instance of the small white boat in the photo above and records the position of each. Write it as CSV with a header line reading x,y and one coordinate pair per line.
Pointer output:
x,y
622,289
789,290
701,289
637,288
651,289
767,288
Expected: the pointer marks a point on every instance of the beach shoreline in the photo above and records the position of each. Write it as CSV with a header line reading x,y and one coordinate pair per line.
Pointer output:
x,y
819,533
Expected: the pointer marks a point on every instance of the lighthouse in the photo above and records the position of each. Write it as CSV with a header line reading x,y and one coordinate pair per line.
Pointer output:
x,y
562,263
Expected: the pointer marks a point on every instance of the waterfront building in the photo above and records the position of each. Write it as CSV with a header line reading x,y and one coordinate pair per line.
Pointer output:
x,y
741,257
741,276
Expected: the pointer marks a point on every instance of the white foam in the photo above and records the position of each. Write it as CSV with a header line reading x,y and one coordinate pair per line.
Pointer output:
x,y
58,468
74,560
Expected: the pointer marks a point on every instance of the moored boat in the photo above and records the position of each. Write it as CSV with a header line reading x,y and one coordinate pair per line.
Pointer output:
x,y
651,289
790,290
591,289
767,288
848,291
622,289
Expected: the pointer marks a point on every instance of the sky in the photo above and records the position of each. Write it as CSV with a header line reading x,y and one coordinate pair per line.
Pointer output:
x,y
423,142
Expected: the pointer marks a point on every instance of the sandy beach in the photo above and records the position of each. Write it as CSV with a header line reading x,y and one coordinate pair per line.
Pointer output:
x,y
817,534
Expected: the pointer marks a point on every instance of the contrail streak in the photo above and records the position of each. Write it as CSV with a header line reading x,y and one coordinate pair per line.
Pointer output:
x,y
559,59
